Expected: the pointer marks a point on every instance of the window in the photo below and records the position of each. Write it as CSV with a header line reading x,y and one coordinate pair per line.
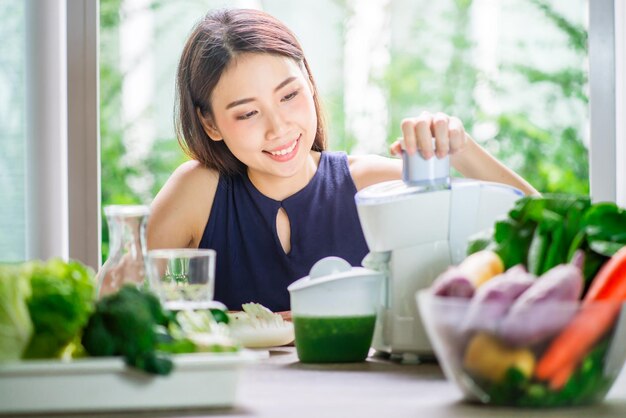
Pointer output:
x,y
12,132
514,89
521,94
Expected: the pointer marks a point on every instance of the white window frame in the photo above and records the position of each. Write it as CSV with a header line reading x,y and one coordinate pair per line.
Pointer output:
x,y
80,222
62,110
83,21
46,130
607,56
620,107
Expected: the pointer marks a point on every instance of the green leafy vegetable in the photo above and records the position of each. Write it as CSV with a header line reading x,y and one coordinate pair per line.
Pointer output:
x,y
220,316
510,389
60,304
542,232
129,323
132,323
588,384
204,331
16,327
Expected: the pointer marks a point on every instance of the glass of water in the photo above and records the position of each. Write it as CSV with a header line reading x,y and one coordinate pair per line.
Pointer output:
x,y
183,279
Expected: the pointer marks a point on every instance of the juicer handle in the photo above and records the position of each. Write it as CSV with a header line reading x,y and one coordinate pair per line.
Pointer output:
x,y
417,170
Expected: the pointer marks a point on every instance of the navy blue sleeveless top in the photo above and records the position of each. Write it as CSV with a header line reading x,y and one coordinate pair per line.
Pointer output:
x,y
251,264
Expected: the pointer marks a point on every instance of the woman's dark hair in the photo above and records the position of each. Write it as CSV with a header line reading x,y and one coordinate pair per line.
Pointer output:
x,y
214,42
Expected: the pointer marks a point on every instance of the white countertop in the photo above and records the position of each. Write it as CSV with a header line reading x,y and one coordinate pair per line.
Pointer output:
x,y
280,386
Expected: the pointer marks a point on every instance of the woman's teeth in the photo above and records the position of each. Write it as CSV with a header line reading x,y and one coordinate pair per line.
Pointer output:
x,y
285,151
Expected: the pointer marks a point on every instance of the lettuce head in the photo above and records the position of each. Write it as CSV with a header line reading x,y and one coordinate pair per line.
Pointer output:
x,y
62,299
16,327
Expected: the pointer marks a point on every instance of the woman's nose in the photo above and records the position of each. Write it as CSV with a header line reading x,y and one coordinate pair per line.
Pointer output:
x,y
277,125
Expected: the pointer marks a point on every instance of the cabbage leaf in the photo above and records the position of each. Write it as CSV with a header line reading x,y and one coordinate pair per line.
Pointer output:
x,y
16,327
63,295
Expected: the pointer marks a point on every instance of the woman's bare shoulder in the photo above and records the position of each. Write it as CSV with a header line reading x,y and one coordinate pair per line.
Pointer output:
x,y
371,169
195,170
181,209
191,181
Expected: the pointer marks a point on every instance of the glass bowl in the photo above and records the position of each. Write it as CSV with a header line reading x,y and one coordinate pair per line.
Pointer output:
x,y
501,361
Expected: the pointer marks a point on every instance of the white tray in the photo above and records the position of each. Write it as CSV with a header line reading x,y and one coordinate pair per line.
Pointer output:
x,y
99,384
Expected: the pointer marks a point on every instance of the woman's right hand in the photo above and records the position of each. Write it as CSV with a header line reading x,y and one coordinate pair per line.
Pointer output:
x,y
469,158
418,133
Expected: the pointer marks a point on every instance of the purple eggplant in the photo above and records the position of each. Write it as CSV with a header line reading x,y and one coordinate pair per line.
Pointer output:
x,y
545,308
493,299
453,283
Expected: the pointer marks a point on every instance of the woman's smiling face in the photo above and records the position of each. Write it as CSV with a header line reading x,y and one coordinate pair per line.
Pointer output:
x,y
264,112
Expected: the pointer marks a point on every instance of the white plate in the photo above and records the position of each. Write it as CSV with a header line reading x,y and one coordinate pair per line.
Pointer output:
x,y
98,384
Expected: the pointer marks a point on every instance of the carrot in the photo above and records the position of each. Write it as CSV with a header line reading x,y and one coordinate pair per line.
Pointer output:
x,y
610,282
588,326
571,345
561,377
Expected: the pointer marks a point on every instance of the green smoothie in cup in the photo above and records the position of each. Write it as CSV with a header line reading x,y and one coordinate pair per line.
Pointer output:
x,y
333,339
334,311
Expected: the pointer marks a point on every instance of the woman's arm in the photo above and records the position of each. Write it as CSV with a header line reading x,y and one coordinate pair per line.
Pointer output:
x,y
180,211
475,162
435,136
367,170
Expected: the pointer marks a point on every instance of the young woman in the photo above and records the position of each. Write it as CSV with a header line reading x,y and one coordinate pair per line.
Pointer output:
x,y
260,188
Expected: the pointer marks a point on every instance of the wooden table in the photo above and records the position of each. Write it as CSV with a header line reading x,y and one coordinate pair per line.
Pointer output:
x,y
280,386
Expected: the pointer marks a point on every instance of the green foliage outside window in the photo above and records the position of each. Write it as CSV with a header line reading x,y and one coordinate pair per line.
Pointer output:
x,y
551,157
555,157
165,154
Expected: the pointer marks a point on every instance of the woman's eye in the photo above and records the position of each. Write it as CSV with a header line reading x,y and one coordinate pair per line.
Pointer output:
x,y
246,115
290,96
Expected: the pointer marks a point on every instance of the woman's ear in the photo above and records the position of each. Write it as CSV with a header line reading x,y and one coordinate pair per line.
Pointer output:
x,y
209,127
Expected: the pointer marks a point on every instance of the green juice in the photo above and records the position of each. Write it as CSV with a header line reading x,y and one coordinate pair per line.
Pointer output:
x,y
333,339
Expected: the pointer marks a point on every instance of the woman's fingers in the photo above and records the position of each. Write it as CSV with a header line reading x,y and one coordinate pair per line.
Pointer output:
x,y
440,132
418,133
456,132
424,135
408,133
396,147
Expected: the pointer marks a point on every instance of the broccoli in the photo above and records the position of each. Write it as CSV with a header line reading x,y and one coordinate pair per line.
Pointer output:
x,y
128,323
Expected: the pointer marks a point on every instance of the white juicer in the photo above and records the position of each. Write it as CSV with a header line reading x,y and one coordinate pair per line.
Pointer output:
x,y
415,228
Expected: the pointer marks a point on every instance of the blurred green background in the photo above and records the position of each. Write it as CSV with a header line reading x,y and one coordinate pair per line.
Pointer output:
x,y
433,62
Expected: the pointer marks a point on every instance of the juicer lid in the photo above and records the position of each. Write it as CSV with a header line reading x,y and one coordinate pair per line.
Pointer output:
x,y
331,269
389,189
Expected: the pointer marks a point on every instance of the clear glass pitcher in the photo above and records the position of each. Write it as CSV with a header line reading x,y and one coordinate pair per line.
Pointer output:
x,y
127,248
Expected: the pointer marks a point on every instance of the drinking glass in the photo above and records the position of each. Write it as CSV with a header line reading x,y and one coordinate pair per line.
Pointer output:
x,y
183,279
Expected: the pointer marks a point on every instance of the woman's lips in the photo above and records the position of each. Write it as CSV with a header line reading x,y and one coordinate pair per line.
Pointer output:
x,y
286,153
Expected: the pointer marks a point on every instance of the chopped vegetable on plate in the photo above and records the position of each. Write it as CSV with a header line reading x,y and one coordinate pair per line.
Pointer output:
x,y
258,327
